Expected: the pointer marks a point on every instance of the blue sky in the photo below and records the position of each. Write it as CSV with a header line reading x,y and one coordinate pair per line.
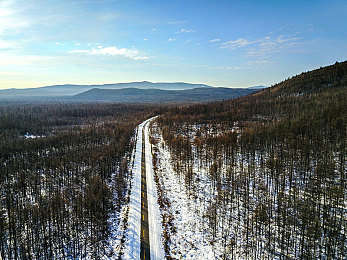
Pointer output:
x,y
221,43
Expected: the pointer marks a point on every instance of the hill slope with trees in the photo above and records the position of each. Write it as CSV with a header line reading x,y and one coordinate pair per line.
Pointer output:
x,y
268,170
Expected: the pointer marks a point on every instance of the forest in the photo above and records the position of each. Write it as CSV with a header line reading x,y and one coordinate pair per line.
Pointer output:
x,y
266,173
64,177
263,176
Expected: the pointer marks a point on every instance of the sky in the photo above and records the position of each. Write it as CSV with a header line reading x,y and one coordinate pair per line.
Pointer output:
x,y
218,42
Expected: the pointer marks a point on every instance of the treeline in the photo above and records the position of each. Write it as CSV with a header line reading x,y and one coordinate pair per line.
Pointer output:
x,y
276,167
60,187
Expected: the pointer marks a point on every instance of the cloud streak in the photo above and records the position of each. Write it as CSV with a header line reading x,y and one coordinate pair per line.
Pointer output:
x,y
131,54
262,47
9,45
232,45
270,45
214,40
185,30
9,22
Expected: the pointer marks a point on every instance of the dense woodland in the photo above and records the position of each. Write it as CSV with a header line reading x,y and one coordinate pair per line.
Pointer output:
x,y
268,169
266,172
64,173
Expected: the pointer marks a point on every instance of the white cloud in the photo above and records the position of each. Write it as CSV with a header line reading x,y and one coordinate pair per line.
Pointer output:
x,y
262,47
11,21
269,45
277,30
251,53
184,30
280,40
131,54
236,44
145,39
171,40
8,45
214,40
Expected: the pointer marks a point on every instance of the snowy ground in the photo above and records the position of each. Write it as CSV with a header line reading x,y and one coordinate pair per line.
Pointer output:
x,y
190,239
184,223
119,222
132,243
154,218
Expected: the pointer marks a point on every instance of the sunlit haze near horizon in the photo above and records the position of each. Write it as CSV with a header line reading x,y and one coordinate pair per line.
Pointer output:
x,y
219,43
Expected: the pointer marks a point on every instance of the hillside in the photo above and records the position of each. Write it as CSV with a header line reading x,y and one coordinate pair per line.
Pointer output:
x,y
313,81
308,90
264,174
257,87
132,95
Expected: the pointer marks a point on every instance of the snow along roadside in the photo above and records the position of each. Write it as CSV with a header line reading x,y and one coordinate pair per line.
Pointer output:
x,y
132,243
118,221
189,240
154,217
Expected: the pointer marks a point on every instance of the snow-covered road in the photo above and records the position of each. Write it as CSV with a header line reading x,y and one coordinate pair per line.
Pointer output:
x,y
133,238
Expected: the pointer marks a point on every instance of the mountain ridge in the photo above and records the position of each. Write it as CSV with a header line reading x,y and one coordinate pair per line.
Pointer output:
x,y
159,95
146,91
72,89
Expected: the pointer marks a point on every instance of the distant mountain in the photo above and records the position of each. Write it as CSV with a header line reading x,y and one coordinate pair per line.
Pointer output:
x,y
257,87
68,90
131,95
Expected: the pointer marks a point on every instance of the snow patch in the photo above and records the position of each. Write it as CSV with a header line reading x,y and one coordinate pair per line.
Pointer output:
x,y
154,217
